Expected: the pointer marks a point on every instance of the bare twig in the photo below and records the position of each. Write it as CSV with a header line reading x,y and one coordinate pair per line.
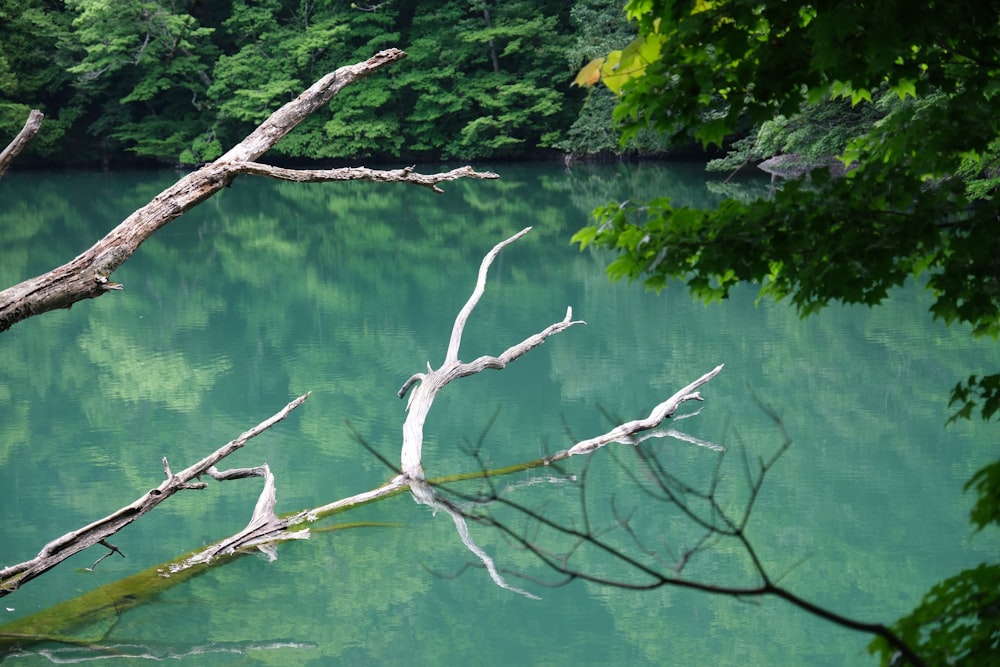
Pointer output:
x,y
112,549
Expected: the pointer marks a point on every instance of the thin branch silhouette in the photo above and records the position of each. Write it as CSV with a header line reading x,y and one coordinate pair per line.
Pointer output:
x,y
641,564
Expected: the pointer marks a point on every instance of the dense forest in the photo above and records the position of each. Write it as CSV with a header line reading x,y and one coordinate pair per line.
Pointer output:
x,y
176,81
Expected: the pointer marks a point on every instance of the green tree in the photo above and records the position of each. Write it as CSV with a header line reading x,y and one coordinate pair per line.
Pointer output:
x,y
175,80
271,48
145,66
917,198
30,76
599,27
498,89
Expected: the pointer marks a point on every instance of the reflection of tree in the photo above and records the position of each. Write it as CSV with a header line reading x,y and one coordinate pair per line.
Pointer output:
x,y
130,373
592,185
746,189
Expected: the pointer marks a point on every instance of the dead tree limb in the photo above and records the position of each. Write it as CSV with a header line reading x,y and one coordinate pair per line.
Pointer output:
x,y
265,527
59,549
625,433
23,138
431,382
405,175
704,508
88,275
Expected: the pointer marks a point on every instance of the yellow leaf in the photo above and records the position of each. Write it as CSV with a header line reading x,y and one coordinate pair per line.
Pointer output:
x,y
610,75
620,66
590,74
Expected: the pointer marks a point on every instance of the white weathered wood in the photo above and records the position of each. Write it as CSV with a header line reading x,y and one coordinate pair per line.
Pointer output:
x,y
405,175
624,432
427,385
266,528
458,327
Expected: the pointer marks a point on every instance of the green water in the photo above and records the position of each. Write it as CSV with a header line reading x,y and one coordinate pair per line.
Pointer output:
x,y
271,290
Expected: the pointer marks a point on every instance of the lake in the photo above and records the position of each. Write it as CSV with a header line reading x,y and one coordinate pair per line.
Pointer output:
x,y
270,290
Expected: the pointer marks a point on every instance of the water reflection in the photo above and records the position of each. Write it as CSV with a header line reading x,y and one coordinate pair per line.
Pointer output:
x,y
274,289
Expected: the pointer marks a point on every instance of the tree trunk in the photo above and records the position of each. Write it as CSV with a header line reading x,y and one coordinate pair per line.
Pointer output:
x,y
27,133
493,49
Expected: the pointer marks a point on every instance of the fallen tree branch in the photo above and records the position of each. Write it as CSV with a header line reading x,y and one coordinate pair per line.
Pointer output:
x,y
704,509
405,175
266,527
88,275
59,549
20,142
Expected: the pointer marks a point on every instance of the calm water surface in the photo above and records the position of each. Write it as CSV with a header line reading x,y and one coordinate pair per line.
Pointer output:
x,y
271,290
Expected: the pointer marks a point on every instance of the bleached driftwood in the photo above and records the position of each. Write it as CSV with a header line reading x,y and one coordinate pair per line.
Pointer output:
x,y
88,275
23,138
264,529
59,549
425,387
431,382
404,175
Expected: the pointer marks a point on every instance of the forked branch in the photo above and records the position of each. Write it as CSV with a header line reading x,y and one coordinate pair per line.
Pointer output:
x,y
430,383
